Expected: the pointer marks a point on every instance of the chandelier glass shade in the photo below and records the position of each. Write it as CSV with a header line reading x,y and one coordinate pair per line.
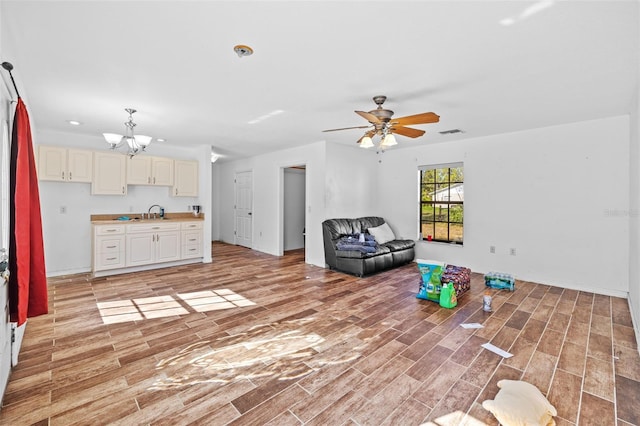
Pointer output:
x,y
387,139
134,144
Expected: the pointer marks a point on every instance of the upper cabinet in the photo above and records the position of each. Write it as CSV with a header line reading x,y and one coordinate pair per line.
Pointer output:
x,y
64,164
186,179
144,170
109,174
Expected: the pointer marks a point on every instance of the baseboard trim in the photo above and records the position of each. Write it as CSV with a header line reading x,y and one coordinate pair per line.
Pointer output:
x,y
636,326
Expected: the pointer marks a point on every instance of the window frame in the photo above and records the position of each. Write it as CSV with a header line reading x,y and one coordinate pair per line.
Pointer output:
x,y
435,202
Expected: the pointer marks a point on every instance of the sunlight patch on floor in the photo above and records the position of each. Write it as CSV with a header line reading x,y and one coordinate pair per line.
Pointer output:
x,y
282,350
127,310
214,300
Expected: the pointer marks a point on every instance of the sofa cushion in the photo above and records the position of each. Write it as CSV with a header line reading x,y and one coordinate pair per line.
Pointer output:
x,y
382,233
370,222
340,227
397,245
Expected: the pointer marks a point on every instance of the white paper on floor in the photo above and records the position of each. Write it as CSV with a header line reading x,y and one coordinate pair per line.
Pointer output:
x,y
497,350
472,325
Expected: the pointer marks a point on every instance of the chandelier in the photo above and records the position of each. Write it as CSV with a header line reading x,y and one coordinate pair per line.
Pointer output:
x,y
134,144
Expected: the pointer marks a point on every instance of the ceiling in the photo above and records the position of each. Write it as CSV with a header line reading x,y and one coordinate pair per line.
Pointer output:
x,y
486,67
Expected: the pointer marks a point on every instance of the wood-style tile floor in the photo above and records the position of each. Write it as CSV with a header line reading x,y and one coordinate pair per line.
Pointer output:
x,y
257,339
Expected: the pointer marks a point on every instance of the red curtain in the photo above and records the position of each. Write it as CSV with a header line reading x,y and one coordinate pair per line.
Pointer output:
x,y
27,279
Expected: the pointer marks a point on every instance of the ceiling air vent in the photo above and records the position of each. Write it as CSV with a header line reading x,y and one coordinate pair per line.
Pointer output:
x,y
450,132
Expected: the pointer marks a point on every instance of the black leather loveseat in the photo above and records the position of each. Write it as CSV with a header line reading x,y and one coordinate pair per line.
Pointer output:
x,y
387,255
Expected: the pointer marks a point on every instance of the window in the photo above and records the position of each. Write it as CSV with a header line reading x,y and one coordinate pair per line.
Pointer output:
x,y
442,202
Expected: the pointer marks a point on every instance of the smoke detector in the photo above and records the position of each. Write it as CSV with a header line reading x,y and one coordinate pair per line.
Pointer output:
x,y
242,50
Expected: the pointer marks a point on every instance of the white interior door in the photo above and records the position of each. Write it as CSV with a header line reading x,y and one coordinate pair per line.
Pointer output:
x,y
244,204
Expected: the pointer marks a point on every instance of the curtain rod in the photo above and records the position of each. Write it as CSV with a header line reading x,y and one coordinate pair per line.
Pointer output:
x,y
9,67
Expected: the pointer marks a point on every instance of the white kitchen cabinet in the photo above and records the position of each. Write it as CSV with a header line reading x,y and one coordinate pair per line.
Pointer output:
x,y
109,174
191,239
145,170
162,171
120,247
185,179
148,243
108,247
64,164
139,170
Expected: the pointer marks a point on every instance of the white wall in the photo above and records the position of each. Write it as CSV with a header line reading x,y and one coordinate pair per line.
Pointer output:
x,y
634,209
575,238
294,208
340,182
67,236
5,117
215,201
350,182
267,194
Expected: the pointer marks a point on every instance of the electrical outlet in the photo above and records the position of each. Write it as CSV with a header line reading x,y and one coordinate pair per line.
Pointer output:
x,y
512,251
492,249
63,209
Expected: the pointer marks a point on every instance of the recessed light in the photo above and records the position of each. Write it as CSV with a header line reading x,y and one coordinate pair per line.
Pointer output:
x,y
74,122
161,140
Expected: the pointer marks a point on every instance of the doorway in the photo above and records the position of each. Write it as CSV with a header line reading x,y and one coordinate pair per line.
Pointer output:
x,y
243,208
293,208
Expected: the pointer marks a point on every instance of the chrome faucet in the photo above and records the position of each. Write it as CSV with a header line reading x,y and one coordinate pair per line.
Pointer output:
x,y
154,214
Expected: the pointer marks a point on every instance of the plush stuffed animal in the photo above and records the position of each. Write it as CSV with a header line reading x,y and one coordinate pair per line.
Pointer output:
x,y
519,403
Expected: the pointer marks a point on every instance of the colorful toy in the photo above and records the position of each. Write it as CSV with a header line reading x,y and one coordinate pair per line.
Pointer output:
x,y
500,280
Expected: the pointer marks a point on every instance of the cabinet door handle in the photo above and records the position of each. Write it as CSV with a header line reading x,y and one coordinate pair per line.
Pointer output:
x,y
176,191
153,237
154,179
111,246
62,175
156,227
192,249
123,189
157,237
111,258
110,230
192,239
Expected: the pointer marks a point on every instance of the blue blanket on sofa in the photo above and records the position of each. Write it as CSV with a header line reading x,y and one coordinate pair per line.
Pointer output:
x,y
353,243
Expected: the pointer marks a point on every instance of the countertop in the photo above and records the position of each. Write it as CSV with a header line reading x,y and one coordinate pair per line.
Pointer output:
x,y
108,219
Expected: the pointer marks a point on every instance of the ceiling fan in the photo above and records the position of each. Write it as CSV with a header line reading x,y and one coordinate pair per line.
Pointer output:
x,y
382,124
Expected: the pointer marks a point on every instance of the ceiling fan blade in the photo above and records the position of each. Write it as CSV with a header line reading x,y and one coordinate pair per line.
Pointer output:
x,y
424,118
346,128
369,117
407,131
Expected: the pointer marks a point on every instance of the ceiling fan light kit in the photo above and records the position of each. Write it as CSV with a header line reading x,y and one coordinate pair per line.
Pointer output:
x,y
134,144
382,124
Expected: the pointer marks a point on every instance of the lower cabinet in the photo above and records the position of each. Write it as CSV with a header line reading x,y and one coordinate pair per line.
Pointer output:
x,y
191,240
108,247
151,243
139,244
